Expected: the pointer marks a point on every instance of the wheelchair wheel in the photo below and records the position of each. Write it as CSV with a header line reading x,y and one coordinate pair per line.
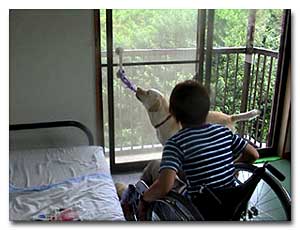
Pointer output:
x,y
174,207
269,201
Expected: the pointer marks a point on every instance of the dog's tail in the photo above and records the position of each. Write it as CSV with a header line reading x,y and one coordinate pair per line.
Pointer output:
x,y
247,116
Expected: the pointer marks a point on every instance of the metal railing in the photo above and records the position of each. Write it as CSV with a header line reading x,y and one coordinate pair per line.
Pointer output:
x,y
228,97
163,68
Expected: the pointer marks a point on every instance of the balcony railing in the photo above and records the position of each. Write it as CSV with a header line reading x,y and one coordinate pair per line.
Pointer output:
x,y
163,68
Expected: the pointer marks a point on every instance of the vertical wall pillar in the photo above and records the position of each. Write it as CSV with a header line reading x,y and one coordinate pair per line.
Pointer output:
x,y
110,90
284,62
209,47
201,25
99,96
248,63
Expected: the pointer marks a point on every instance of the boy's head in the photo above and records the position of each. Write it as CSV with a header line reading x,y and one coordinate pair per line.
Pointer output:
x,y
189,103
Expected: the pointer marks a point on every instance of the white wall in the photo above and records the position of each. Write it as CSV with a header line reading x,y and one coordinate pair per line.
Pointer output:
x,y
52,66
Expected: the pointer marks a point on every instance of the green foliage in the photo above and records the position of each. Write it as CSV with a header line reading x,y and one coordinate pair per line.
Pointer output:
x,y
173,29
230,28
152,29
268,27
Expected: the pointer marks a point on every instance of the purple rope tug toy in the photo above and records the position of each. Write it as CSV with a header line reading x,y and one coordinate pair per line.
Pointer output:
x,y
121,73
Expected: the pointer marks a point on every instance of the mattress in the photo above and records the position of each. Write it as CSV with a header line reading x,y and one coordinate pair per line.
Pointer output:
x,y
62,184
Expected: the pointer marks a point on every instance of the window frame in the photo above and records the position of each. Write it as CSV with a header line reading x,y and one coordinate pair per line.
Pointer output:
x,y
278,102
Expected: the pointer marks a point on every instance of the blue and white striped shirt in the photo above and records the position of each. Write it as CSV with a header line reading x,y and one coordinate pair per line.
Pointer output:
x,y
205,154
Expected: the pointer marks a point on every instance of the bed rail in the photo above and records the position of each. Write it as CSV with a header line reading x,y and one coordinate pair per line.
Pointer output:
x,y
54,124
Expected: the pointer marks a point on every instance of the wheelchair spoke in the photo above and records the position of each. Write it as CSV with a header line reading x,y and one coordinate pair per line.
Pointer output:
x,y
268,202
267,213
265,202
261,190
255,213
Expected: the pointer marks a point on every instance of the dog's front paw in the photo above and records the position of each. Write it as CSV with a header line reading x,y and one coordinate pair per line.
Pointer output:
x,y
120,189
255,112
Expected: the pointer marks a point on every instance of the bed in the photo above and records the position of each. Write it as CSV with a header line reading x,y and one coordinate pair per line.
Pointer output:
x,y
61,184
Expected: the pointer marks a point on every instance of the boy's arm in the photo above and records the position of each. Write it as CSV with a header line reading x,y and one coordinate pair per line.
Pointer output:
x,y
161,186
248,155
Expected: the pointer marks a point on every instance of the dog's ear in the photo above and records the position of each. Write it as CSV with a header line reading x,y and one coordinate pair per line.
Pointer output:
x,y
155,106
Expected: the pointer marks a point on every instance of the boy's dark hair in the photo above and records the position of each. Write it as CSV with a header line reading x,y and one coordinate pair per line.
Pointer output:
x,y
189,103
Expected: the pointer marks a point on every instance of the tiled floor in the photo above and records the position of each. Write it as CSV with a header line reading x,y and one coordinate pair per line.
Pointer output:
x,y
284,166
127,178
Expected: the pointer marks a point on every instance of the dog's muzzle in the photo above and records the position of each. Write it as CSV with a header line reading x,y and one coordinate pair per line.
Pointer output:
x,y
139,92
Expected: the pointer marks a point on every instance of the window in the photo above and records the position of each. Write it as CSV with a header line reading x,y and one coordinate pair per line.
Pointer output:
x,y
161,49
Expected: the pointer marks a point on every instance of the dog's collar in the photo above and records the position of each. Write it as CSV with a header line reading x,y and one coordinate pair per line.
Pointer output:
x,y
164,121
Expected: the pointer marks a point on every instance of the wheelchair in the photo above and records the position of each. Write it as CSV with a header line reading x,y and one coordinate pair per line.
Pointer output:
x,y
257,196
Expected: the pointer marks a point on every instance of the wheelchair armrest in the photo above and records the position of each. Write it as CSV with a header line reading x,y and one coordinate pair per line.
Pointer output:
x,y
141,187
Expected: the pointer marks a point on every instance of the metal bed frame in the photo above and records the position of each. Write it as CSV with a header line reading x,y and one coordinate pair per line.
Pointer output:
x,y
54,124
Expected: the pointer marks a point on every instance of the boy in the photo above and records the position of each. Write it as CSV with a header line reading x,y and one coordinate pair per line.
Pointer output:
x,y
205,152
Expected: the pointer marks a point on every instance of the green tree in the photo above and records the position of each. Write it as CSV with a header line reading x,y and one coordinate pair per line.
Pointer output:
x,y
173,29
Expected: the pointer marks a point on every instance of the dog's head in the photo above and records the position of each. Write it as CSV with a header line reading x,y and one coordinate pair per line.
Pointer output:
x,y
151,99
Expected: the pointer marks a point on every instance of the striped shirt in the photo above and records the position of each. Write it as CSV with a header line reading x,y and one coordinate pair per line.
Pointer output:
x,y
205,154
